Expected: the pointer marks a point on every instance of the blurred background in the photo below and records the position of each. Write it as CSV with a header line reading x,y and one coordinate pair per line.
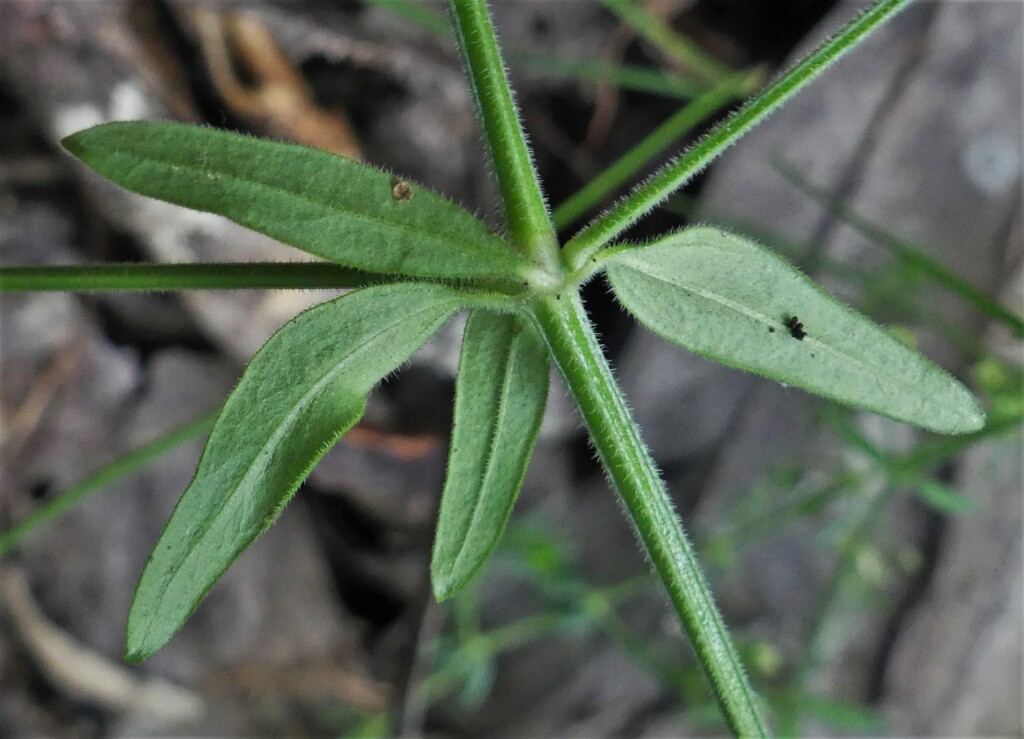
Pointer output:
x,y
872,573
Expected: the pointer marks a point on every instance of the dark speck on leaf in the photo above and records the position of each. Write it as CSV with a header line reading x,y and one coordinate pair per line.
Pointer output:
x,y
796,329
401,191
771,329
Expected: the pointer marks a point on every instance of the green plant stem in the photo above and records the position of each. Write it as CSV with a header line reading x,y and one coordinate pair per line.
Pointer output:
x,y
526,213
625,76
632,161
112,472
578,356
678,172
142,277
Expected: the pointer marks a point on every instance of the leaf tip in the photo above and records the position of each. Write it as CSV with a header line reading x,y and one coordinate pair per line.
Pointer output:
x,y
974,419
141,644
91,143
442,592
137,647
73,144
443,583
82,144
449,577
145,635
134,656
965,414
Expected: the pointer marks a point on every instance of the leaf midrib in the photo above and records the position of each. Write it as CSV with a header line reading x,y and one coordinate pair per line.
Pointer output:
x,y
488,242
492,450
325,378
809,339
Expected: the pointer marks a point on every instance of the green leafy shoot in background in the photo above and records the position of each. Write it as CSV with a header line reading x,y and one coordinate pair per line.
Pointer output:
x,y
417,259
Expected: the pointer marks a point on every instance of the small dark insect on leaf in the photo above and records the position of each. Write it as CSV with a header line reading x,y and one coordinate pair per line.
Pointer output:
x,y
796,329
401,191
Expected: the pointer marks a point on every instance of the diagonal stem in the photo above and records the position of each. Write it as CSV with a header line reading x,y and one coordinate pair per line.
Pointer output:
x,y
677,173
582,364
666,134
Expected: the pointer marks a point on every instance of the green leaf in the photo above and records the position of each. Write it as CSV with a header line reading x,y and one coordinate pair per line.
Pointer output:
x,y
499,403
300,393
944,499
729,299
319,202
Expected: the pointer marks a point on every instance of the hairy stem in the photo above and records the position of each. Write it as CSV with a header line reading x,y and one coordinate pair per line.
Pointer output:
x,y
678,172
526,214
578,356
149,277
668,133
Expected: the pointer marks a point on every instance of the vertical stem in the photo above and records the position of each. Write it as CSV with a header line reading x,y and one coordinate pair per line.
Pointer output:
x,y
578,356
526,214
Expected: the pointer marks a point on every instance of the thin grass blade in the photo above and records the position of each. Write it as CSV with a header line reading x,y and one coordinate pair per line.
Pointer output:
x,y
944,498
911,255
103,477
629,164
695,60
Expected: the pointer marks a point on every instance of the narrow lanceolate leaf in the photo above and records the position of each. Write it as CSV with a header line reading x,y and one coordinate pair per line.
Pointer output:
x,y
302,391
499,403
322,203
737,303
